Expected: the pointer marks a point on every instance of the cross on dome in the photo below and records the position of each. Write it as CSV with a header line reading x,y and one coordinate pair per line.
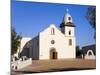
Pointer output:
x,y
67,10
67,17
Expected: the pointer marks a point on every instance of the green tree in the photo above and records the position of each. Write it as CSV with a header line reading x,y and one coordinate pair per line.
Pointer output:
x,y
15,41
78,51
91,17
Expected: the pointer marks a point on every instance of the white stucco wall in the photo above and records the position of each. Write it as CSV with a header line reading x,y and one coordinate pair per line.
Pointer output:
x,y
90,57
67,29
61,44
19,64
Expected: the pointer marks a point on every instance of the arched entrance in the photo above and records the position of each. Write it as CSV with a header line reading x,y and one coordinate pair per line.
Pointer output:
x,y
90,53
53,54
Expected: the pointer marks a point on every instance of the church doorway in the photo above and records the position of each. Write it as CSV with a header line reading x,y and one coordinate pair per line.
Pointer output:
x,y
53,54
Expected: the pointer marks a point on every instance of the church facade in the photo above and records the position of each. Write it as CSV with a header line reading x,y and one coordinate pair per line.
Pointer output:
x,y
53,43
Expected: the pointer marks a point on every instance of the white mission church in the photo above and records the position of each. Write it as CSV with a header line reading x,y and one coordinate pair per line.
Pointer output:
x,y
52,43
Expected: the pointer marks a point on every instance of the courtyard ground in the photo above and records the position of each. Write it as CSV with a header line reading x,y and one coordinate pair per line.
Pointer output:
x,y
39,66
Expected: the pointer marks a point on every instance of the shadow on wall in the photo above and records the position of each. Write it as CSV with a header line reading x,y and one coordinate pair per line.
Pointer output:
x,y
25,51
30,51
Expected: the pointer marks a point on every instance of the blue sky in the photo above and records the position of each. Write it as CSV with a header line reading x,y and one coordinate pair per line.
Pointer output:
x,y
29,18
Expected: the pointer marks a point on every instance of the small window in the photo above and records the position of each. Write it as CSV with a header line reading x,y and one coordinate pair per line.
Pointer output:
x,y
70,41
69,32
52,31
69,18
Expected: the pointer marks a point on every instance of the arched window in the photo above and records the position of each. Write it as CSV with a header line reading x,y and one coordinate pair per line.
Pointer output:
x,y
70,41
52,31
69,18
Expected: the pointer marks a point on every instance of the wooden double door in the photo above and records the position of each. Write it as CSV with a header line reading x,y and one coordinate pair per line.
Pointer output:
x,y
53,54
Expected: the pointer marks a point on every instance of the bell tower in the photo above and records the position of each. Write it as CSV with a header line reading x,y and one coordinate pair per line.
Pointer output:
x,y
67,26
